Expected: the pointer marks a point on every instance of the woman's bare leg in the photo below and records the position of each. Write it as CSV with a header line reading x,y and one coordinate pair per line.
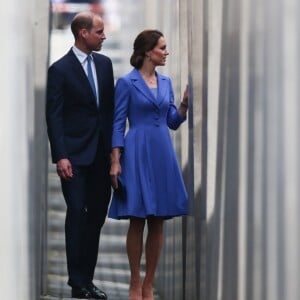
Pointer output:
x,y
153,248
134,245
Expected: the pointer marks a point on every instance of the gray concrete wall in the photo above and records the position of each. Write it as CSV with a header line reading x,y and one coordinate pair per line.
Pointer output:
x,y
241,239
24,55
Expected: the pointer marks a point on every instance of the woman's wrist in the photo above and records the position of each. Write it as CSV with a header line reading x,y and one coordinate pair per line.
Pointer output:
x,y
184,104
115,156
114,161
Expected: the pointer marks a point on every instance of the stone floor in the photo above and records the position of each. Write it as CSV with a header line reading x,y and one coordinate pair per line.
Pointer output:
x,y
111,274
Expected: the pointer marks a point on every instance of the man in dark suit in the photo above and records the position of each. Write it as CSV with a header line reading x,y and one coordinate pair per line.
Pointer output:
x,y
79,119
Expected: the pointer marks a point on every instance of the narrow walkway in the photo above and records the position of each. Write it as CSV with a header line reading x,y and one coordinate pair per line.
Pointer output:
x,y
112,273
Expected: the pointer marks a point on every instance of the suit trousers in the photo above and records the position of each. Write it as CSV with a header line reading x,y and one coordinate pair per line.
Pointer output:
x,y
87,197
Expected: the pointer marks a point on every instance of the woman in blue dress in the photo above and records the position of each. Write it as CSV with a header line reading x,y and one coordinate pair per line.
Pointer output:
x,y
143,160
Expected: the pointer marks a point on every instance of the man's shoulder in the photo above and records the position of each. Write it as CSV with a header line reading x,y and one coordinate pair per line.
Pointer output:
x,y
61,62
102,57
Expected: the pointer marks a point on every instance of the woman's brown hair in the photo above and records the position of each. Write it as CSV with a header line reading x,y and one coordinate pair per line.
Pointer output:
x,y
145,41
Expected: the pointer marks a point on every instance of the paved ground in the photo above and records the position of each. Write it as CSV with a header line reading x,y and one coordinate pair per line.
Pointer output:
x,y
111,275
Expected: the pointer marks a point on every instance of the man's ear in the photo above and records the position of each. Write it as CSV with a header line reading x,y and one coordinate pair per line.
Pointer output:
x,y
83,32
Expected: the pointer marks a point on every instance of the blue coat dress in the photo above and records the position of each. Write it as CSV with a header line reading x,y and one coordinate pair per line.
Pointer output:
x,y
150,171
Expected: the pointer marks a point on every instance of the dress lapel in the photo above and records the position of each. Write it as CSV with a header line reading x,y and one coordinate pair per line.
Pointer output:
x,y
162,90
141,85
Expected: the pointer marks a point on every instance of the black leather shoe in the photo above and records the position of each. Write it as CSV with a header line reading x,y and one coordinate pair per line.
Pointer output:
x,y
81,293
96,292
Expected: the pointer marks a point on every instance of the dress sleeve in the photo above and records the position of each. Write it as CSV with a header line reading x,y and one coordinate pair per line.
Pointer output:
x,y
173,118
122,95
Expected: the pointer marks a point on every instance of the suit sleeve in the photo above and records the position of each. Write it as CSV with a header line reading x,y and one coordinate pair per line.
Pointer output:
x,y
54,113
108,108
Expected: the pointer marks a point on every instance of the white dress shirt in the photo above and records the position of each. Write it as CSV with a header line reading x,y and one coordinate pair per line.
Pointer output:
x,y
82,57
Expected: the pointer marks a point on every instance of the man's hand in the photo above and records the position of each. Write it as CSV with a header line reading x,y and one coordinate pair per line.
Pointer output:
x,y
64,169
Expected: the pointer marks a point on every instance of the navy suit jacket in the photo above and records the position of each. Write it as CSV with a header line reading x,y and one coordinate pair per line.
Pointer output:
x,y
74,122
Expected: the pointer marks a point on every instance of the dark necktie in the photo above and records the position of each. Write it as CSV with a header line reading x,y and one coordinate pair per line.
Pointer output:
x,y
90,75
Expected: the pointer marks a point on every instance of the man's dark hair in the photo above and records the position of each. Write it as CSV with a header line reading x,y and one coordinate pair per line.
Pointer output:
x,y
82,20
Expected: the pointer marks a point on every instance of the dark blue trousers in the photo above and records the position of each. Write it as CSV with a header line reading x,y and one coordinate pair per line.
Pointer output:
x,y
87,197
